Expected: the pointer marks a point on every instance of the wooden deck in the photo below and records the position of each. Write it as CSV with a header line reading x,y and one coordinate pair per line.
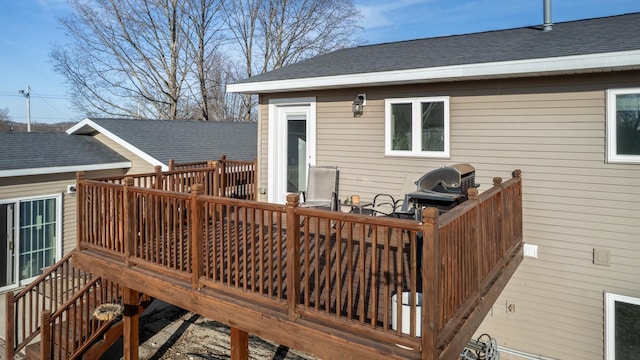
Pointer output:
x,y
296,275
314,280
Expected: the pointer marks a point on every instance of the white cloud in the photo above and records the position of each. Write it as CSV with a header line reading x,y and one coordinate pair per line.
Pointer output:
x,y
385,13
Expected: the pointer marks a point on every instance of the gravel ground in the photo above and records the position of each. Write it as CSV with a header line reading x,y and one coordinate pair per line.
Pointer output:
x,y
168,332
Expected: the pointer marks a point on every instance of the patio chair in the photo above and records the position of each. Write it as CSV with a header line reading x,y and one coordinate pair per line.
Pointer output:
x,y
322,188
387,205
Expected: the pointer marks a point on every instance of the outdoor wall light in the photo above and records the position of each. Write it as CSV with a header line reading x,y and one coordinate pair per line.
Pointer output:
x,y
358,105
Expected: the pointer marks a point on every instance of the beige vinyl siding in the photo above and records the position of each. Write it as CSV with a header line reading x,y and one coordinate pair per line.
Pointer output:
x,y
553,129
138,165
53,184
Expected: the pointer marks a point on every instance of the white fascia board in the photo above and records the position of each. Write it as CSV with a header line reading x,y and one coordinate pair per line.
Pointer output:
x,y
515,68
63,169
146,157
76,128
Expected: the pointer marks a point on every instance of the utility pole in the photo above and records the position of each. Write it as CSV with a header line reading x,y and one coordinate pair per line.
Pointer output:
x,y
27,94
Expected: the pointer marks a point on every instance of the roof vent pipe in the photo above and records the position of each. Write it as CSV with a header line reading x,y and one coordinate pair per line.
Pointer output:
x,y
547,16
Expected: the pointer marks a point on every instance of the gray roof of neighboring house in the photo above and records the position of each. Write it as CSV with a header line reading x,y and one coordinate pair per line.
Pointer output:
x,y
181,140
573,38
54,153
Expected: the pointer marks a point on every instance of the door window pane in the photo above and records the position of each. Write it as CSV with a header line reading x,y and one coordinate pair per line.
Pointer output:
x,y
296,153
37,230
432,116
401,127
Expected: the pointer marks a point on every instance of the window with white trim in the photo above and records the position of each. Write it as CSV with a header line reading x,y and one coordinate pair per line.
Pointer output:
x,y
623,125
417,127
30,237
622,326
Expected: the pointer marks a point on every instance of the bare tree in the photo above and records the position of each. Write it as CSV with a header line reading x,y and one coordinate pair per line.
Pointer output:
x,y
137,58
4,115
172,58
273,33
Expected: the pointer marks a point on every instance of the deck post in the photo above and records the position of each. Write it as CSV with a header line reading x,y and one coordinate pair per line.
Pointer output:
x,y
215,182
239,344
172,164
209,175
9,323
196,236
131,319
158,181
80,209
430,282
129,220
223,175
45,335
497,182
293,254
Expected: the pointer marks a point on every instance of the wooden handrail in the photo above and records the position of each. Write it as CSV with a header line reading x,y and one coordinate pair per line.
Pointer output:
x,y
44,293
83,331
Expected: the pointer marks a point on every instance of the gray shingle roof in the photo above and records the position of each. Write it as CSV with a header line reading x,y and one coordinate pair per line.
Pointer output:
x,y
582,37
186,140
34,151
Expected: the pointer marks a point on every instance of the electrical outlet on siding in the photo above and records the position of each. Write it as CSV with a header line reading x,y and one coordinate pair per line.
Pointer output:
x,y
530,250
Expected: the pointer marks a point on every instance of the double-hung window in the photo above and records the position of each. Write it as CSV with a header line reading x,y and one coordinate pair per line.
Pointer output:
x,y
417,127
623,125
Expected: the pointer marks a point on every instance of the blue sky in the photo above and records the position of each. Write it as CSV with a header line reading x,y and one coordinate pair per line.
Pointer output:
x,y
29,27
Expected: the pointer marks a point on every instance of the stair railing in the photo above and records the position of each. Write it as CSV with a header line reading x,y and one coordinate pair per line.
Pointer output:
x,y
72,329
47,292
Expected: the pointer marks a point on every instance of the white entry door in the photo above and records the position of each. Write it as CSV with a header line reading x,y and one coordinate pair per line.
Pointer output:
x,y
292,138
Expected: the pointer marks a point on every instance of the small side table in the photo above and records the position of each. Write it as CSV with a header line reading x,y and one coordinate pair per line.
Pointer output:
x,y
357,208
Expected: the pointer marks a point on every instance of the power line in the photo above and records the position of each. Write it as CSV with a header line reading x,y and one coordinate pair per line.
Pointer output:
x,y
36,95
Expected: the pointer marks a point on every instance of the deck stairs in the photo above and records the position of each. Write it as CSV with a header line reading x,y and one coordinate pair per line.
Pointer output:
x,y
65,299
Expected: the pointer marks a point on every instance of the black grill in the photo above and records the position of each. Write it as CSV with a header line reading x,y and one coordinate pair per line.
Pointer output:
x,y
443,188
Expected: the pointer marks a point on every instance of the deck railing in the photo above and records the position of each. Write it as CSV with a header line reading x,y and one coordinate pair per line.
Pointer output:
x,y
53,288
330,266
69,331
229,178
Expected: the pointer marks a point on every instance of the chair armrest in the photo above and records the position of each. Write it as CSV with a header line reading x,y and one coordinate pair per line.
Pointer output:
x,y
383,204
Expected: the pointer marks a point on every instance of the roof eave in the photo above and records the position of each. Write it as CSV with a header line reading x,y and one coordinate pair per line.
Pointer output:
x,y
88,127
64,169
612,61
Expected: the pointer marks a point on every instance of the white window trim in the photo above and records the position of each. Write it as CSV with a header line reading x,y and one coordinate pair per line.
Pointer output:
x,y
416,124
612,136
610,321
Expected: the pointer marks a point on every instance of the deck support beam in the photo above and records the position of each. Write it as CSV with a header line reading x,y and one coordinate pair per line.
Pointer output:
x,y
239,344
131,319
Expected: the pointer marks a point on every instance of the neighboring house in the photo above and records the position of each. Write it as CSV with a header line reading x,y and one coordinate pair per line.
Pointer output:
x,y
37,198
149,143
560,105
38,174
